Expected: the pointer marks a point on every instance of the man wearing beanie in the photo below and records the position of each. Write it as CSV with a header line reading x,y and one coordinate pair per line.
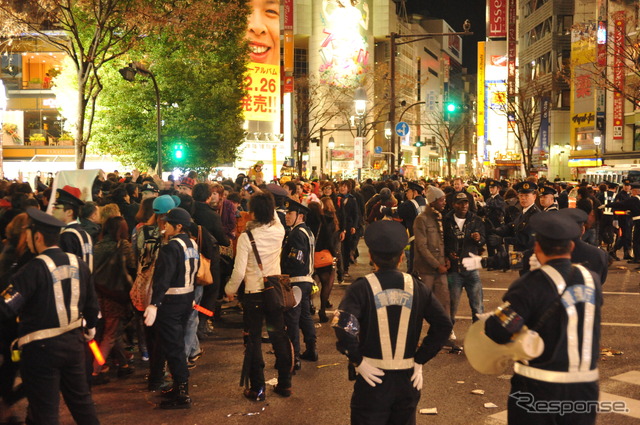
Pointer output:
x,y
430,262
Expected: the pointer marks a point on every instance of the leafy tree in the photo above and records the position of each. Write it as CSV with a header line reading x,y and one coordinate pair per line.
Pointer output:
x,y
448,130
200,78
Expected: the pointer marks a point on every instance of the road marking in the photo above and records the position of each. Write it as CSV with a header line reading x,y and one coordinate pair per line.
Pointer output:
x,y
631,404
605,293
628,325
632,377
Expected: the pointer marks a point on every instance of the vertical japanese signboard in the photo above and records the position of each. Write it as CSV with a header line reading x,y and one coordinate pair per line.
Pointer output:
x,y
480,101
358,152
262,102
618,73
545,105
497,18
512,41
583,93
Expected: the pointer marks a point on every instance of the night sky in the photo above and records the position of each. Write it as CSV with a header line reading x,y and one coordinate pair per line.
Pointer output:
x,y
455,12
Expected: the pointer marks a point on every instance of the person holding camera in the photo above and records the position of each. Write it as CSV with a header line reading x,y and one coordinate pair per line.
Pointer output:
x,y
463,234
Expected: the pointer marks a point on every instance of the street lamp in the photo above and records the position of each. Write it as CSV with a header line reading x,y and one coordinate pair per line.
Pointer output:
x,y
331,145
360,100
597,140
129,74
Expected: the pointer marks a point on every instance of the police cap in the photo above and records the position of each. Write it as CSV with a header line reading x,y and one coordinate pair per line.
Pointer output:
x,y
44,222
612,185
460,197
546,190
555,226
277,190
525,187
415,186
178,216
626,182
578,215
291,205
386,237
69,195
492,183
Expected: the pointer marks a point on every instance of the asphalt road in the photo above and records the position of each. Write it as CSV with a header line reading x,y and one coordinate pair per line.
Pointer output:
x,y
321,391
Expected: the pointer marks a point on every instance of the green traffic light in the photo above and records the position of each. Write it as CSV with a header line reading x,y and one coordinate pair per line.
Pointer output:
x,y
177,151
418,144
451,107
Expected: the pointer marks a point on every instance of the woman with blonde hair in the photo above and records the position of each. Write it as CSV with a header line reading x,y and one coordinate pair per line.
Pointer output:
x,y
108,211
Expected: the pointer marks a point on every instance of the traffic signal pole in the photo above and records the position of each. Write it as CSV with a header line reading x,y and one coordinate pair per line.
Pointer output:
x,y
393,37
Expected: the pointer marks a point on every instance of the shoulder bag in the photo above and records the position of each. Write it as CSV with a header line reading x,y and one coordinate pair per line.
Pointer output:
x,y
111,277
204,276
322,258
278,294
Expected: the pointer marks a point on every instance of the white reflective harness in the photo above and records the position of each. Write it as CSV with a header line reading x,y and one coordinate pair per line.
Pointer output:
x,y
419,208
608,198
311,270
86,246
389,297
66,323
579,369
189,272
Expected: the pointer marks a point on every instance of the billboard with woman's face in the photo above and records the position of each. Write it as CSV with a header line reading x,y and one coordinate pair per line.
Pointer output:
x,y
262,102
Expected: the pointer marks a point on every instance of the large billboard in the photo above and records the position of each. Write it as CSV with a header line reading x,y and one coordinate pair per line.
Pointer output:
x,y
262,102
344,49
496,18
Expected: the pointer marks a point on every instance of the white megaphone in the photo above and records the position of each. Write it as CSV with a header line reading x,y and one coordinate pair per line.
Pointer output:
x,y
490,358
297,295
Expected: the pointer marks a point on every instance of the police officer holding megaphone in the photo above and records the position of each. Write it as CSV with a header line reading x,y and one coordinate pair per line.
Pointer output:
x,y
549,325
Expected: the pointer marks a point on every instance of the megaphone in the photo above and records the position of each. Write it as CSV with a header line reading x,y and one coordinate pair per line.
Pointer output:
x,y
297,294
490,358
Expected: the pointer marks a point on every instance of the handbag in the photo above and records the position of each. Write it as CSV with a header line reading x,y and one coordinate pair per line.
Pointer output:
x,y
277,293
322,258
142,287
204,276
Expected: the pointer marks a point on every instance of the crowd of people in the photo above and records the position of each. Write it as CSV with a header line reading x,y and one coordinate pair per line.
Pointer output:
x,y
132,251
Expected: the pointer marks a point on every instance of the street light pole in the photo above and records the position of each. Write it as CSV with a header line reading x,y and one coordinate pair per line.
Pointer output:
x,y
129,74
331,145
360,98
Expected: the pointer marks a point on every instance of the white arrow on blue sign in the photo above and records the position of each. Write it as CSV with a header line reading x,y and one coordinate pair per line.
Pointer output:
x,y
402,129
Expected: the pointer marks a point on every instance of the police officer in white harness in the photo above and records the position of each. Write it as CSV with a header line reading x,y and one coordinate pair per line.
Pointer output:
x,y
74,239
172,302
51,295
562,303
378,327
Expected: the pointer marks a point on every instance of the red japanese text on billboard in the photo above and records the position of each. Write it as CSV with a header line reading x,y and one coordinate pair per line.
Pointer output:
x,y
618,74
511,50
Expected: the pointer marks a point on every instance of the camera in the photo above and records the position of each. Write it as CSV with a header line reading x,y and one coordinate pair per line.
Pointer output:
x,y
248,188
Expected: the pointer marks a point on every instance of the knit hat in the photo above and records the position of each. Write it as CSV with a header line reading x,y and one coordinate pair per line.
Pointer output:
x,y
433,194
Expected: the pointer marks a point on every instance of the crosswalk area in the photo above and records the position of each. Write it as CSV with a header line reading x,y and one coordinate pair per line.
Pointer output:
x,y
624,388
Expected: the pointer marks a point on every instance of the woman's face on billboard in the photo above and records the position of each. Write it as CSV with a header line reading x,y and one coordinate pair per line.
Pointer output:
x,y
263,32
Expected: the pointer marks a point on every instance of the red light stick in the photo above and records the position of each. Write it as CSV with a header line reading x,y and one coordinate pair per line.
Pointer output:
x,y
96,352
203,310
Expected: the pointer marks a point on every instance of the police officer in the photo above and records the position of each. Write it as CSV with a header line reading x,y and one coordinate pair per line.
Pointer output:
x,y
172,302
74,239
52,294
494,212
632,204
624,240
518,233
297,261
408,210
376,308
280,195
584,253
547,198
608,220
562,303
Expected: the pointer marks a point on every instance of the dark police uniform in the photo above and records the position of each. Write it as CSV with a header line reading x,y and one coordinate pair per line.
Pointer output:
x,y
632,204
52,294
173,279
408,211
74,239
297,261
608,218
586,254
380,320
518,233
494,214
624,221
545,190
562,303
280,196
